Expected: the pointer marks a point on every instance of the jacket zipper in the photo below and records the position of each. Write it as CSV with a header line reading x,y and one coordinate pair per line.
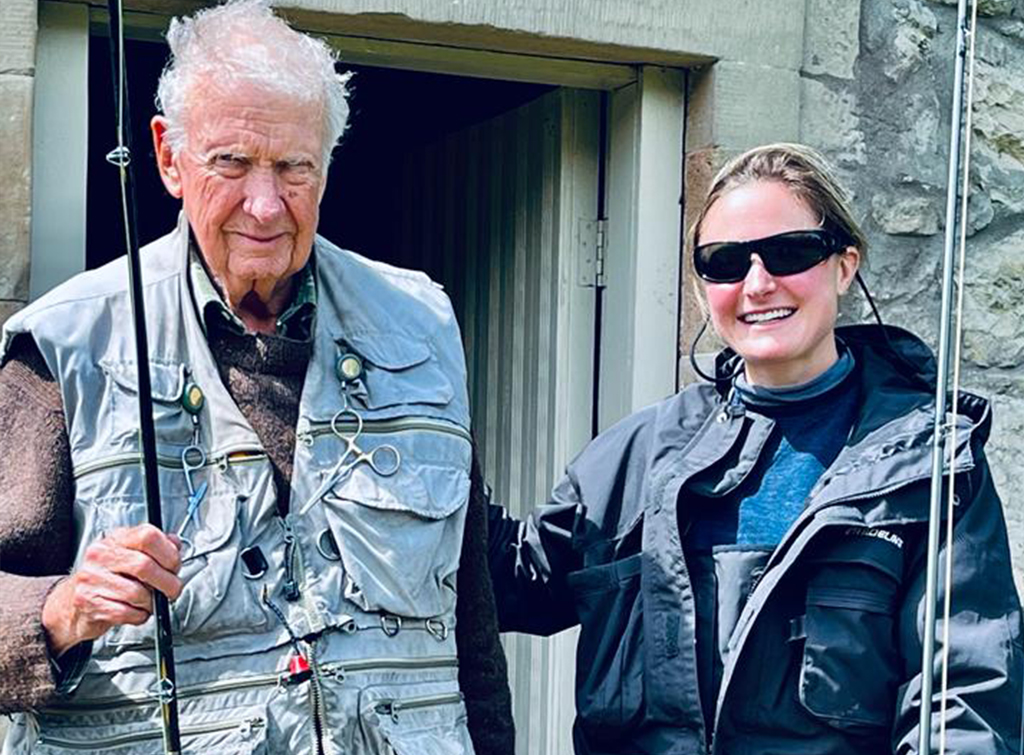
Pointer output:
x,y
392,708
244,726
379,426
808,515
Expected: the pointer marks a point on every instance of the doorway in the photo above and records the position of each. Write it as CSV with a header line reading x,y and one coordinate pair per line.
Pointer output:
x,y
485,185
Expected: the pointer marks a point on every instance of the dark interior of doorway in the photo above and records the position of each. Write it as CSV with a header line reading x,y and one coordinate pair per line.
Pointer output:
x,y
393,113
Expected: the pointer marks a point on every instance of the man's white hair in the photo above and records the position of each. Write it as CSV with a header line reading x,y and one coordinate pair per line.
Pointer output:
x,y
243,42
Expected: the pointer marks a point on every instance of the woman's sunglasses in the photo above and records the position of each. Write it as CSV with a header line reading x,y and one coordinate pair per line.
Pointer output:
x,y
783,254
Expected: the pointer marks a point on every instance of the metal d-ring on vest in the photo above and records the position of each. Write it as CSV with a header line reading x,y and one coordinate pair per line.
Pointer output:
x,y
384,459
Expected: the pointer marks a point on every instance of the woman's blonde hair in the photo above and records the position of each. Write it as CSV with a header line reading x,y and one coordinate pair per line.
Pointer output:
x,y
804,171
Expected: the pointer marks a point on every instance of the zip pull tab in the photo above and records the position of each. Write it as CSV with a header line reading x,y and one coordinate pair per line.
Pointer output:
x,y
291,585
246,728
389,708
299,669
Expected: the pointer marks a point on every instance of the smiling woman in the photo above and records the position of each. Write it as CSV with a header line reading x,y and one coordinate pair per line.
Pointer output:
x,y
781,324
746,558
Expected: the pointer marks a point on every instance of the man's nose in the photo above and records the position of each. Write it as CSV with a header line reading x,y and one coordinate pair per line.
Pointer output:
x,y
263,195
758,281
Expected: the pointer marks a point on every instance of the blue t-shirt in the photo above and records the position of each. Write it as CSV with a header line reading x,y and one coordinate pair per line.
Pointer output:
x,y
812,422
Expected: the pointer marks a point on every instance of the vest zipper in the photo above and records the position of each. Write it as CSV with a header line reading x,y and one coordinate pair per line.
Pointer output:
x,y
316,700
380,426
337,670
392,708
244,726
222,460
137,699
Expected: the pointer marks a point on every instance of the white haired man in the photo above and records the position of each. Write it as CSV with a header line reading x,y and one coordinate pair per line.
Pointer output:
x,y
313,432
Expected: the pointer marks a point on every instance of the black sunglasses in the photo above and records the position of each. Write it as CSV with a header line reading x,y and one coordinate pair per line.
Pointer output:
x,y
782,254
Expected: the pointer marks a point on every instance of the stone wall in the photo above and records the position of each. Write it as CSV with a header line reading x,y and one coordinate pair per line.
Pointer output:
x,y
17,68
877,84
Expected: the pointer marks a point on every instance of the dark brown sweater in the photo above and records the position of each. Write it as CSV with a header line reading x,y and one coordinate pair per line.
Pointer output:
x,y
264,375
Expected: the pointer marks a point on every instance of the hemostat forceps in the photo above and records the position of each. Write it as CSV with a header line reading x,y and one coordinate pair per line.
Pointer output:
x,y
192,458
384,459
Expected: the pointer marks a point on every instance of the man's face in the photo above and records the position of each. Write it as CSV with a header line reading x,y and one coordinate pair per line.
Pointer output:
x,y
250,177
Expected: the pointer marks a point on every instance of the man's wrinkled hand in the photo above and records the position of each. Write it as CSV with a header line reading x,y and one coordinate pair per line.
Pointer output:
x,y
112,586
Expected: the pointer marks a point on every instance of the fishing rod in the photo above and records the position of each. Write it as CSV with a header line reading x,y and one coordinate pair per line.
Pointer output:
x,y
121,157
944,438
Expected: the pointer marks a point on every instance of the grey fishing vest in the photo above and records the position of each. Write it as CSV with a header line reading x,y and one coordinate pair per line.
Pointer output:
x,y
364,580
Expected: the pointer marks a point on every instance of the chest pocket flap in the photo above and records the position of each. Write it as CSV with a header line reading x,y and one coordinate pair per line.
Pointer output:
x,y
398,369
167,381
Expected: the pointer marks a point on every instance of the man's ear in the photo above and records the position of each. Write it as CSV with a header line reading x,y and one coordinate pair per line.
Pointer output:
x,y
165,159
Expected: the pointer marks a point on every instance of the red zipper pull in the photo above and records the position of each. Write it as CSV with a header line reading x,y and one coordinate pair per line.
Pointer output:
x,y
298,669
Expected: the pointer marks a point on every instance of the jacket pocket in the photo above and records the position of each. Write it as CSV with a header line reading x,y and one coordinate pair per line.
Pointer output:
x,y
398,370
609,657
850,666
400,537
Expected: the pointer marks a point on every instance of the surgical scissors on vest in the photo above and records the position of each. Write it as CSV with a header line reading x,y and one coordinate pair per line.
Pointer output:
x,y
383,459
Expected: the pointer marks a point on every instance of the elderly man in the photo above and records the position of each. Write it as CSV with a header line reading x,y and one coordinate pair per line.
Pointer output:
x,y
312,425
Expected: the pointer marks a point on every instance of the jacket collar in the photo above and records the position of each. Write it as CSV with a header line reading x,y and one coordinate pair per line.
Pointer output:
x,y
890,443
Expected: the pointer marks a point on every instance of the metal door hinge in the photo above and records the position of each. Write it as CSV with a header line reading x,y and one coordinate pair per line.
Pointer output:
x,y
591,239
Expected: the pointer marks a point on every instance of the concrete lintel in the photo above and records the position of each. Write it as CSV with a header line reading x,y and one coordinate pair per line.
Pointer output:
x,y
663,31
658,32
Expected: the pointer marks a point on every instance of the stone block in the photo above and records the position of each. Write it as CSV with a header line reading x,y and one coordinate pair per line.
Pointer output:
x,y
994,302
735,106
986,7
18,30
8,308
829,121
905,216
923,135
1001,178
16,186
914,28
999,109
831,37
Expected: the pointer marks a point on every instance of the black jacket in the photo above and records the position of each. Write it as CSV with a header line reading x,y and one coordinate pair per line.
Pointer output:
x,y
825,655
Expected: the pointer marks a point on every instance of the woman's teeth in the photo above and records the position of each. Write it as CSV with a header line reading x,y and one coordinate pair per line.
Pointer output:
x,y
772,314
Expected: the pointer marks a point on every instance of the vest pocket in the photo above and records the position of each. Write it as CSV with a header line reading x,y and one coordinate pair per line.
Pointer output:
x,y
849,669
399,370
235,732
415,719
400,537
173,425
216,598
